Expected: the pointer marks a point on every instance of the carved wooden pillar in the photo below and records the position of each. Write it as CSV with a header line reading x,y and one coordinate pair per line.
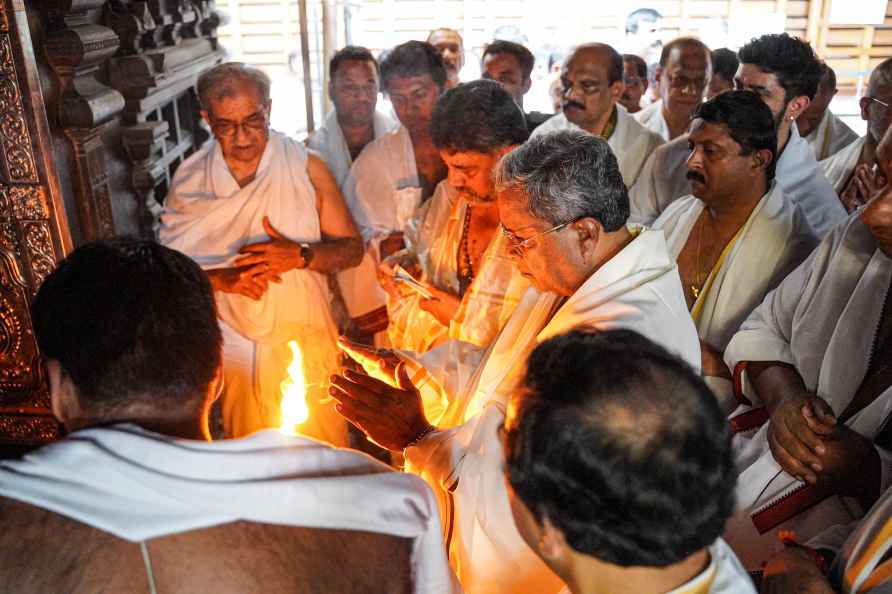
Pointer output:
x,y
33,230
76,49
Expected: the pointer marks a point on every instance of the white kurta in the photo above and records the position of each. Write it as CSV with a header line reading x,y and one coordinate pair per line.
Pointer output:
x,y
329,142
139,485
664,180
630,142
821,320
773,241
831,136
638,289
209,218
839,168
723,575
382,192
651,117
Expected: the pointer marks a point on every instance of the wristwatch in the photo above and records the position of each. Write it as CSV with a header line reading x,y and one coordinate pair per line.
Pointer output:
x,y
306,254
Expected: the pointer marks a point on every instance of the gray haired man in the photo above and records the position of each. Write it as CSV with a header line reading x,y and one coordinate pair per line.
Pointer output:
x,y
563,207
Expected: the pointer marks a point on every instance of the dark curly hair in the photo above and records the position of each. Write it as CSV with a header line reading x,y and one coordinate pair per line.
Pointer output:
x,y
747,119
790,59
622,447
131,322
413,58
478,116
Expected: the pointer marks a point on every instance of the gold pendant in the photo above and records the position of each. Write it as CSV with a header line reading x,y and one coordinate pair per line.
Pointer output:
x,y
695,292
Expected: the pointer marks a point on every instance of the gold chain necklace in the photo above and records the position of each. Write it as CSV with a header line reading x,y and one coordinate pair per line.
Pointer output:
x,y
695,288
466,267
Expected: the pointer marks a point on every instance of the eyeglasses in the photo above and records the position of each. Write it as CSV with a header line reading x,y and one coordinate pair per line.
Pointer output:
x,y
683,83
883,103
519,246
253,123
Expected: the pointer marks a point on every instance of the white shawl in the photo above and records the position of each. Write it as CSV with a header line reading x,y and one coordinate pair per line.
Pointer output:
x,y
630,142
639,289
820,320
774,240
664,180
329,142
651,117
839,168
139,485
831,136
209,218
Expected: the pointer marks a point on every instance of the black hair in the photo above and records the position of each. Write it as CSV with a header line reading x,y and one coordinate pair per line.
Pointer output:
x,y
790,59
131,322
640,65
350,52
725,63
413,58
524,56
748,121
633,21
478,116
622,447
681,42
614,59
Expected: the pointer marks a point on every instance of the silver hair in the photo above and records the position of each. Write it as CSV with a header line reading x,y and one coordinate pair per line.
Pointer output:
x,y
566,176
225,80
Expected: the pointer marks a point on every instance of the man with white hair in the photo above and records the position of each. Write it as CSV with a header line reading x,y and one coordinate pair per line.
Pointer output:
x,y
563,207
266,220
592,82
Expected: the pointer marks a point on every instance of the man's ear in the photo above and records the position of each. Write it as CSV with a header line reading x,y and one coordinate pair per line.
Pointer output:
x,y
588,231
863,103
762,159
527,83
63,394
796,107
552,544
205,116
616,89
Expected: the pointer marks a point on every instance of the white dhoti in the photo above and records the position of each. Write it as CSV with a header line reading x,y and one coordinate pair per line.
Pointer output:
x,y
209,217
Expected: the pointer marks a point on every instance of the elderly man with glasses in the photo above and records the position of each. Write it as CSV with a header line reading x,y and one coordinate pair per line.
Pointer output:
x,y
266,220
684,71
563,206
852,170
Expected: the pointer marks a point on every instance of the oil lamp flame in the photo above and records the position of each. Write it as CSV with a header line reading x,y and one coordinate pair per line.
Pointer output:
x,y
293,406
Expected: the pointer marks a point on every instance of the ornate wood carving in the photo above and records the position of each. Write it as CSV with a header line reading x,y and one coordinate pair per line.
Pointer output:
x,y
166,45
33,231
76,48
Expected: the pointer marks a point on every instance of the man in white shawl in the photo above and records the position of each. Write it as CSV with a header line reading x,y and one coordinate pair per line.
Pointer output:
x,y
815,356
135,498
465,263
852,171
784,72
824,132
737,237
267,222
354,122
394,175
683,74
592,82
563,205
620,469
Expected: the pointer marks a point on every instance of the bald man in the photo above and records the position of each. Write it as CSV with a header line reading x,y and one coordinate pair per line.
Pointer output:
x,y
825,133
592,83
683,74
451,47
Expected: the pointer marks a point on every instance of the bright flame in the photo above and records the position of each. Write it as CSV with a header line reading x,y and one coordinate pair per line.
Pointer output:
x,y
294,394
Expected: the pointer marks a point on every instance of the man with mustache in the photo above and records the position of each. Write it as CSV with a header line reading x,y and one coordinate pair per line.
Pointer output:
x,y
451,47
455,241
592,82
815,358
784,72
635,81
563,208
394,175
682,76
737,237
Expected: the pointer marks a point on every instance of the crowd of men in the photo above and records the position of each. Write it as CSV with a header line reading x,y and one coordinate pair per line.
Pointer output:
x,y
622,348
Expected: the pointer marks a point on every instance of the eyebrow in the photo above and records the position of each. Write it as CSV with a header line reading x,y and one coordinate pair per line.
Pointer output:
x,y
228,121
